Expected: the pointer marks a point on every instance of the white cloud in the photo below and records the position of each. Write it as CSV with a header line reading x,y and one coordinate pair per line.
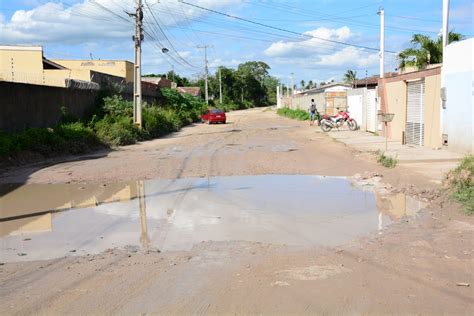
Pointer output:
x,y
88,21
317,52
314,45
349,56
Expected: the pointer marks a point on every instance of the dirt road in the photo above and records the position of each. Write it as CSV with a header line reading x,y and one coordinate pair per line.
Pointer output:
x,y
417,265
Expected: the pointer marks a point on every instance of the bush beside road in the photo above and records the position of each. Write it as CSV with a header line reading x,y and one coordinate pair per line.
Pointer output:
x,y
111,125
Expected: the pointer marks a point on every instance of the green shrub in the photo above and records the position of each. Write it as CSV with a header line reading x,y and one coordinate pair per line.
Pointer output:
x,y
294,114
117,131
461,183
117,106
386,161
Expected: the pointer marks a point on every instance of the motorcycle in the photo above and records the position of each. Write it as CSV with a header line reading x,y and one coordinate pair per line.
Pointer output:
x,y
330,122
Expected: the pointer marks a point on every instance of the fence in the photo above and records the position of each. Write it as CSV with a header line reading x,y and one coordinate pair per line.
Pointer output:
x,y
29,105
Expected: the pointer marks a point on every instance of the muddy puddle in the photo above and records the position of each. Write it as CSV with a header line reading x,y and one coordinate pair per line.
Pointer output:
x,y
45,221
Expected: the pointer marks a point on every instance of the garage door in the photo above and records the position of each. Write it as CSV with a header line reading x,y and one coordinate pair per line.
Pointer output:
x,y
415,127
371,111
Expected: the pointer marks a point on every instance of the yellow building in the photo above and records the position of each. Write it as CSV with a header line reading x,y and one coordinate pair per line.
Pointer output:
x,y
26,64
119,68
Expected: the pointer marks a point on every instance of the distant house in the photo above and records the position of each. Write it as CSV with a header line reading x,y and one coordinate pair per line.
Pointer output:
x,y
371,82
117,68
161,82
329,98
194,91
26,64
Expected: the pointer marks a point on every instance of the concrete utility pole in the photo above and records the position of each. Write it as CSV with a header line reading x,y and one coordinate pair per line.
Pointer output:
x,y
220,85
137,73
292,83
382,41
206,72
445,23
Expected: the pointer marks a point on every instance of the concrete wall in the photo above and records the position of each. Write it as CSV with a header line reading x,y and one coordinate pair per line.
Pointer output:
x,y
432,111
119,68
304,101
29,105
458,77
396,101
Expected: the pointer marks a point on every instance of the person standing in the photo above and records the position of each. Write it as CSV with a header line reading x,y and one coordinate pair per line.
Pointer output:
x,y
312,112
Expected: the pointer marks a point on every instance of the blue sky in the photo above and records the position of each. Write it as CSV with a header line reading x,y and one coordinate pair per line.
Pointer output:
x,y
81,29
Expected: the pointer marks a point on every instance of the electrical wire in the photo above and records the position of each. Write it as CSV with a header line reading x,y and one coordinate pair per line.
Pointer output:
x,y
166,37
284,30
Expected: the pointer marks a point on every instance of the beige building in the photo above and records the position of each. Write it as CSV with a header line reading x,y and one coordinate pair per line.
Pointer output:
x,y
26,64
118,68
414,98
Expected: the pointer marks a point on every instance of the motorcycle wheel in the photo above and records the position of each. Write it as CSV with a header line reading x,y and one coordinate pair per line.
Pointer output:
x,y
352,125
325,127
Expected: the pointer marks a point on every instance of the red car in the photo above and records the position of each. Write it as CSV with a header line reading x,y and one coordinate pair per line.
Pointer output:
x,y
214,116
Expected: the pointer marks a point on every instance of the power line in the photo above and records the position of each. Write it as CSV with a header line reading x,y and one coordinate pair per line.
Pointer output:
x,y
283,30
166,37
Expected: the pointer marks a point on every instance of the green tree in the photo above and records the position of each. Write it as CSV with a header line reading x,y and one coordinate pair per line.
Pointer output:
x,y
350,76
425,51
310,84
302,84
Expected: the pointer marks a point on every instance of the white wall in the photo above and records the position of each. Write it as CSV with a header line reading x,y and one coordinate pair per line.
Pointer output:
x,y
458,77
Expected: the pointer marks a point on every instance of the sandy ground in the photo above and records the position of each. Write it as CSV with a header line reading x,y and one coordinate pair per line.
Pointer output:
x,y
418,266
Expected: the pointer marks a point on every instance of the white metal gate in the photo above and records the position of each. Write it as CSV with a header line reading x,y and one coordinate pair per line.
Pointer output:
x,y
354,106
415,127
371,112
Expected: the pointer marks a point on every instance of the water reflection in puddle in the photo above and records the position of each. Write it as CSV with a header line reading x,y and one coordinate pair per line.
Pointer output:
x,y
50,221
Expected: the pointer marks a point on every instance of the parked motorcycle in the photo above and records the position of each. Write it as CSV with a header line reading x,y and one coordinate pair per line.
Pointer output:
x,y
336,121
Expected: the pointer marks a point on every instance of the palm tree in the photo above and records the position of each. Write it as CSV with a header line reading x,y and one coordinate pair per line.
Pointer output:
x,y
302,84
310,84
425,51
350,76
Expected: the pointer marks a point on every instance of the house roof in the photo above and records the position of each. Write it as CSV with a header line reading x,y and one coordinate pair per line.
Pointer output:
x,y
194,91
372,80
160,81
48,64
324,88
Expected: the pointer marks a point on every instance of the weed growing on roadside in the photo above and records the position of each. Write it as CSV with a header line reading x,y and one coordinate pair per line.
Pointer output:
x,y
386,161
111,125
294,114
461,183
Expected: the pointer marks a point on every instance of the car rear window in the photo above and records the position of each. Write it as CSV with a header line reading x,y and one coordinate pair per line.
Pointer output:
x,y
217,111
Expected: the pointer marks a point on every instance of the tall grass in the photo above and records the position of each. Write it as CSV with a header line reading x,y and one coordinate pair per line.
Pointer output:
x,y
461,183
294,114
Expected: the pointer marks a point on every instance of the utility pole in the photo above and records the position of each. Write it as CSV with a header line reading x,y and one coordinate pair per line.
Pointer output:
x,y
206,72
382,41
292,84
137,73
445,23
366,79
220,85
172,73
